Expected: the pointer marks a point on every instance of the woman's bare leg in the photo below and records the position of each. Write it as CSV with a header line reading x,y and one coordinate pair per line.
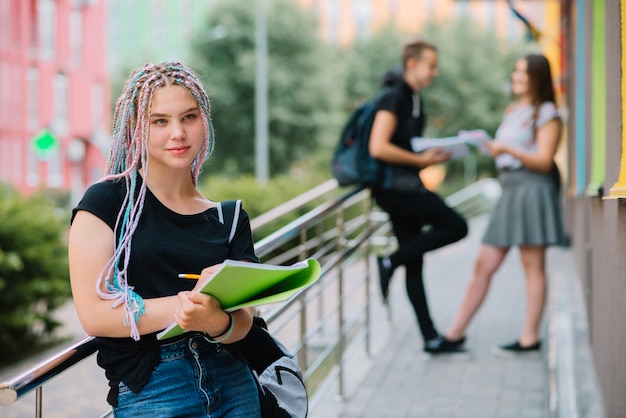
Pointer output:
x,y
533,260
488,261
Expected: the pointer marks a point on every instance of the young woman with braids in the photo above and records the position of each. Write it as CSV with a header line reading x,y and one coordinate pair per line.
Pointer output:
x,y
133,232
528,212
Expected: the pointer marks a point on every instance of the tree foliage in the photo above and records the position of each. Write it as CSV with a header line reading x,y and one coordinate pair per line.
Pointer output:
x,y
314,86
472,89
33,270
366,61
300,94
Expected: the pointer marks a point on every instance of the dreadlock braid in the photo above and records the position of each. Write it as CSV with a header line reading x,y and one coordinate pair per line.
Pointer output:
x,y
127,155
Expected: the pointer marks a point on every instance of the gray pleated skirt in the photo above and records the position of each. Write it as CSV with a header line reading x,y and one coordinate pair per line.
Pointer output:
x,y
528,212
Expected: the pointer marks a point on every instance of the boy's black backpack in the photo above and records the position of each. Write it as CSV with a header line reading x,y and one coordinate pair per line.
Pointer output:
x,y
279,378
352,163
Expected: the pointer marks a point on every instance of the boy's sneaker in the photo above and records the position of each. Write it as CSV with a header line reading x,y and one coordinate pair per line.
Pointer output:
x,y
441,345
384,277
515,348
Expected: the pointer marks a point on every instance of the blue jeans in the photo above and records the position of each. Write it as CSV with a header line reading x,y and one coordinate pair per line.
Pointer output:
x,y
193,379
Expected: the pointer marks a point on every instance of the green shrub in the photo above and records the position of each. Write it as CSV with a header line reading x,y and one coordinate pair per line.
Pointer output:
x,y
33,271
257,198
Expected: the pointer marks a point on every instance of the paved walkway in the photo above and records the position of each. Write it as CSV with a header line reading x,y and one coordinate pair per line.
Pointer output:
x,y
398,379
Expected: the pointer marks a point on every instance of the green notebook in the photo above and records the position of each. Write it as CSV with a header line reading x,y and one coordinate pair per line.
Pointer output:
x,y
239,284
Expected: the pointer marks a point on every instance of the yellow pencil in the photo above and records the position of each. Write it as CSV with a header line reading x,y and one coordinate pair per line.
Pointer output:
x,y
189,276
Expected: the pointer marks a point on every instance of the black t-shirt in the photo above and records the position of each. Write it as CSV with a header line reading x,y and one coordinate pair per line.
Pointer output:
x,y
400,100
164,244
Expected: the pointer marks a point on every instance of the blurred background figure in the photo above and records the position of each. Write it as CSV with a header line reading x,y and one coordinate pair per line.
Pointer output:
x,y
528,214
400,117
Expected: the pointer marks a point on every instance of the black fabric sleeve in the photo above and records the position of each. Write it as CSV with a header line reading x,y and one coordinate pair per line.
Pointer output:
x,y
103,200
389,101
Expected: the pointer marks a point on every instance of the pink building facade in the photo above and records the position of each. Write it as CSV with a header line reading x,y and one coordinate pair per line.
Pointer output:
x,y
53,79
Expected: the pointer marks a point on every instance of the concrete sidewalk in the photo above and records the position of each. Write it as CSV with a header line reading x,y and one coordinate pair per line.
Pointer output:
x,y
399,380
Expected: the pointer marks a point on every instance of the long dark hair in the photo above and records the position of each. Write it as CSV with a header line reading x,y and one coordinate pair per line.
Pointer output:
x,y
540,79
542,91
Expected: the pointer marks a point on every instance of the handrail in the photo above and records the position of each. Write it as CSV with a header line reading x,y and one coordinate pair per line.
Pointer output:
x,y
41,373
293,204
342,234
290,231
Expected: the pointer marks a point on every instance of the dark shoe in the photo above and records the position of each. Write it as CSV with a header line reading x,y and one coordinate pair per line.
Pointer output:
x,y
384,277
510,350
442,345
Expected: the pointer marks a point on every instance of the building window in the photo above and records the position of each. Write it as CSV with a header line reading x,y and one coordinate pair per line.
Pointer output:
x,y
59,127
32,89
46,10
333,11
186,19
32,164
97,101
5,158
10,83
60,99
17,157
160,23
55,176
4,98
76,36
5,23
7,149
99,137
363,17
32,24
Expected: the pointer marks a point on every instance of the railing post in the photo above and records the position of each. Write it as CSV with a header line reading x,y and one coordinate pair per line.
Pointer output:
x,y
38,402
303,353
319,230
367,209
341,233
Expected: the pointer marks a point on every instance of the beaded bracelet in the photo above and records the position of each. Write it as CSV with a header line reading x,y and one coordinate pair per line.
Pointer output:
x,y
224,335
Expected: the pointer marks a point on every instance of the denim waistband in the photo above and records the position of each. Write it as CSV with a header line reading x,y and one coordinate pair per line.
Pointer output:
x,y
180,337
190,343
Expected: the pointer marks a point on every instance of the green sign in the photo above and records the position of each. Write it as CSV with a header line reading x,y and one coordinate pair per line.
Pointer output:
x,y
44,144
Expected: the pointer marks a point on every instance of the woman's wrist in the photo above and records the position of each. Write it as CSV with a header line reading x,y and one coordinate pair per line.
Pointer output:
x,y
225,334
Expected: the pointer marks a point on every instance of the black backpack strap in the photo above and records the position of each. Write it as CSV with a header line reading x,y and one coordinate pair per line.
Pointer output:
x,y
228,214
259,347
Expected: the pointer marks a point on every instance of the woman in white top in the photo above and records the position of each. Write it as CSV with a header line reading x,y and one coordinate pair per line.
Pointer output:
x,y
528,213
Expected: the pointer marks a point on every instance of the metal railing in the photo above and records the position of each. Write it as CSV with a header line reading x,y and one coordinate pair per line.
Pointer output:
x,y
320,323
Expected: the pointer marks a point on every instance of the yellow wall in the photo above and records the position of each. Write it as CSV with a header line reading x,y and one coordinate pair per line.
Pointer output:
x,y
619,188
